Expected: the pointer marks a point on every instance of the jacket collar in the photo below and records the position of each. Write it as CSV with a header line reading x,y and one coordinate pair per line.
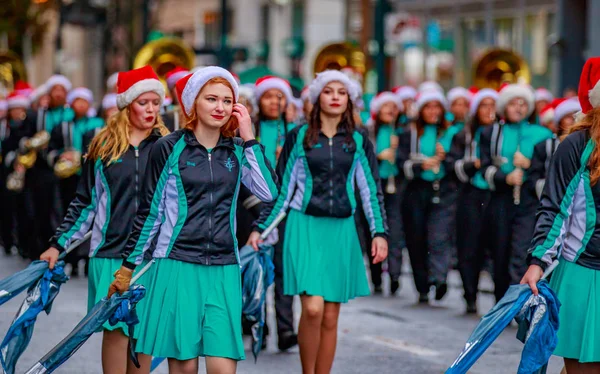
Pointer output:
x,y
190,139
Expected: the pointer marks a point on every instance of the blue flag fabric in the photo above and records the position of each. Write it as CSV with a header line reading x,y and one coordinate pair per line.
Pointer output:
x,y
104,310
538,323
39,298
258,273
19,282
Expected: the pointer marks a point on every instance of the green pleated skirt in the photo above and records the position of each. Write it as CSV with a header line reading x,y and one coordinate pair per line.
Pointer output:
x,y
322,257
101,275
578,290
192,310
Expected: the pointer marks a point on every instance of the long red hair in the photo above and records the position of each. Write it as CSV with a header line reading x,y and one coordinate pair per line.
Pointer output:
x,y
591,123
229,130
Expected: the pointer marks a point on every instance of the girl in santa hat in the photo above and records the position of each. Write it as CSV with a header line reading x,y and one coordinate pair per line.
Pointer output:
x,y
384,109
459,99
188,205
108,196
428,206
473,215
567,229
321,166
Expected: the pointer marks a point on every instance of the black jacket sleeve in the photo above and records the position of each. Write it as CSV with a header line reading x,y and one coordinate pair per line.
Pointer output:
x,y
536,174
494,176
563,178
82,210
149,215
409,169
455,163
55,146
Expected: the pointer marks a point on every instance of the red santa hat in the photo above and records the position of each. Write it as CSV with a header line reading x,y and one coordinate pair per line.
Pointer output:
x,y
270,82
473,90
174,75
589,88
486,93
430,86
58,80
80,93
109,101
17,100
426,97
547,114
508,92
326,77
236,77
459,93
111,82
23,88
382,98
131,84
190,86
405,92
543,94
565,108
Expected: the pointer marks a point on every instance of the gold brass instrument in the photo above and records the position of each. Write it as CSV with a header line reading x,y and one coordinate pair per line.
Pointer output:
x,y
337,56
11,69
16,180
498,66
165,54
65,168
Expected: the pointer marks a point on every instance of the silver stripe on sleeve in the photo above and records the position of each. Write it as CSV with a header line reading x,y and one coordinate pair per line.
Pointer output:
x,y
408,170
539,187
101,216
459,168
170,210
365,195
574,224
489,177
254,179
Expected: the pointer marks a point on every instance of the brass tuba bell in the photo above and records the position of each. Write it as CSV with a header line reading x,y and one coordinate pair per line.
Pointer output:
x,y
165,54
499,66
337,56
11,69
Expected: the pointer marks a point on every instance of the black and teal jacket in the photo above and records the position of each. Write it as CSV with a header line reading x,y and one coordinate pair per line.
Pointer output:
x,y
540,163
500,142
190,196
106,201
321,181
567,223
460,160
69,135
413,149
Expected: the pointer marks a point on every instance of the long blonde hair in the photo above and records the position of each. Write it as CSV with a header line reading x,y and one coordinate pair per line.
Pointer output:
x,y
113,140
591,123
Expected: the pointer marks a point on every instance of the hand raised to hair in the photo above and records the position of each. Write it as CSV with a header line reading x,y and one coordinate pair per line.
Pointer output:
x,y
244,121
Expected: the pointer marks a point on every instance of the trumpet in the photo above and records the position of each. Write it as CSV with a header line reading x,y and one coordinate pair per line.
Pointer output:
x,y
65,167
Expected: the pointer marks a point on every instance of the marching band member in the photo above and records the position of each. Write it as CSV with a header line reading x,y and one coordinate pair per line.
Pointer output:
x,y
543,97
109,106
108,196
321,166
190,188
247,98
407,94
385,108
473,215
111,83
459,98
428,207
499,154
567,229
173,116
306,104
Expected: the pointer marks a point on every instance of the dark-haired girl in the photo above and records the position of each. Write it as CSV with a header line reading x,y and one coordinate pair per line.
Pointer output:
x,y
428,207
321,165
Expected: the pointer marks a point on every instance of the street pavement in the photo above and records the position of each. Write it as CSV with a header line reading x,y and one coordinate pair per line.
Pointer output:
x,y
379,334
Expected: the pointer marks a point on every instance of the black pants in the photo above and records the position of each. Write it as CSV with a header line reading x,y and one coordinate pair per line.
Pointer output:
x,y
8,220
522,227
502,214
428,228
396,239
473,221
283,304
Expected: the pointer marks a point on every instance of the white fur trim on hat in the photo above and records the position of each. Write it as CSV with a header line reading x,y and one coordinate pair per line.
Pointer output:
x,y
38,93
594,96
542,94
58,80
173,78
17,102
328,76
406,93
304,94
199,79
247,91
385,97
430,96
274,83
430,86
513,91
92,112
358,93
459,93
111,82
547,116
80,93
567,107
298,103
139,88
109,101
3,105
486,93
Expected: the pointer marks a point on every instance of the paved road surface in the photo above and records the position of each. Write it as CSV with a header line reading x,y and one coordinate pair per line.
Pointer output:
x,y
376,334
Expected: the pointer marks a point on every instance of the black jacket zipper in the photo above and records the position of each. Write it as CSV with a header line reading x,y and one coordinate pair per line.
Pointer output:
x,y
210,228
137,177
331,176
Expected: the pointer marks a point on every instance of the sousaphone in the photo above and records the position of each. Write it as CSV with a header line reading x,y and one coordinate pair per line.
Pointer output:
x,y
499,66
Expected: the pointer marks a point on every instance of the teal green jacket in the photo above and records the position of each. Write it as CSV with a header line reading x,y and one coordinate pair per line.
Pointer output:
x,y
271,135
386,168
